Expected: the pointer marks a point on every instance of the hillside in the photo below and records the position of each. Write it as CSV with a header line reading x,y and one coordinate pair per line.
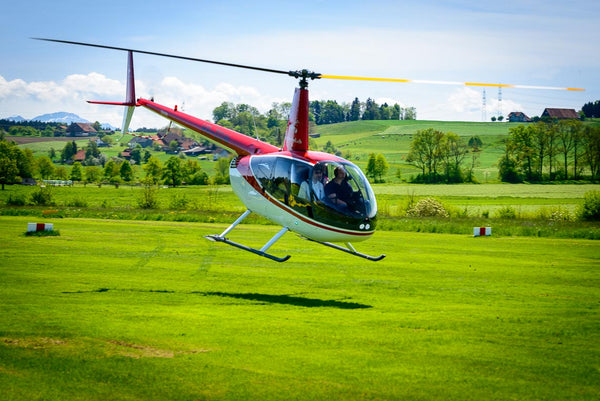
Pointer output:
x,y
392,138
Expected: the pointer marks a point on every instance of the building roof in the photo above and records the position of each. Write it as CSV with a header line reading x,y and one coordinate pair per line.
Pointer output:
x,y
560,113
80,127
79,156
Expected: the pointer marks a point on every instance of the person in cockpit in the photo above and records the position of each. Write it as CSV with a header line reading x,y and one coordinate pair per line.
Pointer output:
x,y
313,185
338,191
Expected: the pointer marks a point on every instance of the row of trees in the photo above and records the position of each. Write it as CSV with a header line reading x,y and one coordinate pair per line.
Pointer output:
x,y
19,164
271,126
440,156
551,150
591,109
330,112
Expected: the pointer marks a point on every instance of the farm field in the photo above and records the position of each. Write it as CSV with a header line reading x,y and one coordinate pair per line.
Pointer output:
x,y
151,310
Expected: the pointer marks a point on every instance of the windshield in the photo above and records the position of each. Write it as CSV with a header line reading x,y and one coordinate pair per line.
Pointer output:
x,y
329,191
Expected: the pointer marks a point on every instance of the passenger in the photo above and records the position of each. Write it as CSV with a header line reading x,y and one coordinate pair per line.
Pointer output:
x,y
338,191
315,185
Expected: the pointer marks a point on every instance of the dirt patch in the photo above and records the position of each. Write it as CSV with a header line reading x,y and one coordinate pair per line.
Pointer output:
x,y
33,343
141,351
121,348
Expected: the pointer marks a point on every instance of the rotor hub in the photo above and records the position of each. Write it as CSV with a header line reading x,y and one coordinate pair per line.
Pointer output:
x,y
304,75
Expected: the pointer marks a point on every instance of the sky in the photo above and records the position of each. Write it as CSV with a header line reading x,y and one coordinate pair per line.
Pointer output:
x,y
525,42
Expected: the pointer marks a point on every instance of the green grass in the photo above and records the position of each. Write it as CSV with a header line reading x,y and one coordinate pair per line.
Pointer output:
x,y
469,206
151,310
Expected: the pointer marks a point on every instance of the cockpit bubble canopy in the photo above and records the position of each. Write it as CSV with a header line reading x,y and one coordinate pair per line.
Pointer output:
x,y
304,186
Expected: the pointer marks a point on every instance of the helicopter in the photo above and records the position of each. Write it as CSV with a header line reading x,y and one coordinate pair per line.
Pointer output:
x,y
319,196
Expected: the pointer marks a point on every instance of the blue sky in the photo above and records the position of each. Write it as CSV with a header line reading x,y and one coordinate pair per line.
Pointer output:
x,y
513,42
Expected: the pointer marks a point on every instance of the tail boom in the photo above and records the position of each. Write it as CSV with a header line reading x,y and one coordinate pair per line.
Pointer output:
x,y
239,143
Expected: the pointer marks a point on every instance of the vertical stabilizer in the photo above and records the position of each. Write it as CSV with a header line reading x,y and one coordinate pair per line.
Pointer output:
x,y
130,101
296,136
130,96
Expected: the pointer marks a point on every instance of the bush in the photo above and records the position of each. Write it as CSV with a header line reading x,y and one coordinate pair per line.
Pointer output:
x,y
428,207
506,212
590,210
179,201
556,214
42,197
148,199
17,200
77,202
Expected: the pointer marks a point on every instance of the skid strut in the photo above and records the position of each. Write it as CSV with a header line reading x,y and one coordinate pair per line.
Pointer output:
x,y
350,249
261,252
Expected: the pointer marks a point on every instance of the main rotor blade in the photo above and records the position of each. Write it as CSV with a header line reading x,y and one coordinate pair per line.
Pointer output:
x,y
420,81
167,55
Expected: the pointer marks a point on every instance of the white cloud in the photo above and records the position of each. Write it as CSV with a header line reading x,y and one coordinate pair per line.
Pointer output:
x,y
29,99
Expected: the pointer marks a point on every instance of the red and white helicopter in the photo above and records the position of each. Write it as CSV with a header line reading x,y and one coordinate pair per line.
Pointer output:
x,y
322,197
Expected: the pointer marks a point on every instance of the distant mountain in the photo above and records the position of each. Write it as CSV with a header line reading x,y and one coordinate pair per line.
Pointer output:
x,y
16,119
60,117
107,126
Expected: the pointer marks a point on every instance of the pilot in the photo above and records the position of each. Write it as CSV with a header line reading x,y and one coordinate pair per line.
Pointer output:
x,y
338,191
315,184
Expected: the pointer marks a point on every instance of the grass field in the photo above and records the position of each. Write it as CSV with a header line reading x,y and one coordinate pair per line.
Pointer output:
x,y
151,310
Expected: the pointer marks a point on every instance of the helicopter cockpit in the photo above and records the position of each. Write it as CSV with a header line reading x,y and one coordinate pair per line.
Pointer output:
x,y
332,192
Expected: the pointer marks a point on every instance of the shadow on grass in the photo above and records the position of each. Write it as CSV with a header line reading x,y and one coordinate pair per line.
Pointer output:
x,y
264,298
289,300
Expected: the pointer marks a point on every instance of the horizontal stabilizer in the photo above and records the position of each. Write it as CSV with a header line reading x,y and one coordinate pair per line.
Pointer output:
x,y
112,103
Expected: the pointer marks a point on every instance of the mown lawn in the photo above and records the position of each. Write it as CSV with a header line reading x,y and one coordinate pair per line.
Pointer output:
x,y
151,310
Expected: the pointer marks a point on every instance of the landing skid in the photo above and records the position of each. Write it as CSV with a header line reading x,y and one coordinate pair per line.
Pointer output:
x,y
261,252
350,249
218,238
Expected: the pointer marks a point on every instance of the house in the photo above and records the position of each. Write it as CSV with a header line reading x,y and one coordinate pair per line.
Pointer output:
x,y
196,151
101,144
219,153
79,156
560,114
81,129
183,143
144,142
126,154
518,117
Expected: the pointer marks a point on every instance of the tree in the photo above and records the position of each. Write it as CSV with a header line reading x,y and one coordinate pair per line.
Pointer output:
x,y
69,151
16,164
9,173
173,171
475,144
520,144
76,172
425,151
136,154
381,166
590,140
153,169
45,167
371,168
126,172
569,133
91,151
454,151
591,109
111,170
354,110
371,110
92,174
226,111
